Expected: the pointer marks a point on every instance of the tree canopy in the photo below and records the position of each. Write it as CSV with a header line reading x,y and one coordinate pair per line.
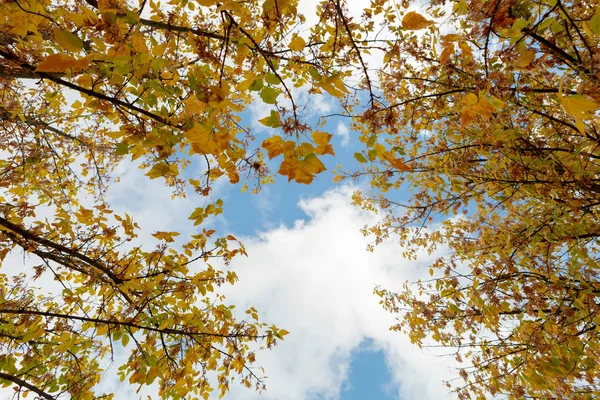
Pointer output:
x,y
485,110
492,125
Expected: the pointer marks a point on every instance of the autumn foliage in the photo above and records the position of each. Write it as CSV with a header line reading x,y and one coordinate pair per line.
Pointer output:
x,y
490,119
486,110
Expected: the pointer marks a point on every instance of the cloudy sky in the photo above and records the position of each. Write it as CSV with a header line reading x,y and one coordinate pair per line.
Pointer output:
x,y
308,271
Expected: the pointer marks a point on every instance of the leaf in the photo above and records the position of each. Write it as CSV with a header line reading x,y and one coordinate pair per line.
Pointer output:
x,y
466,50
469,99
166,236
415,21
197,216
57,63
272,79
322,140
67,40
272,121
578,105
269,95
595,24
297,43
122,149
526,57
446,53
274,146
257,85
360,158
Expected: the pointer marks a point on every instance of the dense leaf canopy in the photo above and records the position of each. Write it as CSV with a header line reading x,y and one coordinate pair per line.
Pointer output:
x,y
493,126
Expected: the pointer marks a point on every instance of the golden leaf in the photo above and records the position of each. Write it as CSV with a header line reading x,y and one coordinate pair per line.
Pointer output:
x,y
57,63
577,105
526,57
273,145
414,21
297,43
469,99
446,53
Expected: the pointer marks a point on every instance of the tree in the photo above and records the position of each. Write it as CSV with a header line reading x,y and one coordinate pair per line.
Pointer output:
x,y
85,84
490,119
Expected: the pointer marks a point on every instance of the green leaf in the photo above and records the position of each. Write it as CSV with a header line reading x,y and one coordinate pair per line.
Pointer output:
x,y
595,24
122,149
372,154
372,141
257,85
272,121
315,74
272,79
269,95
360,158
131,17
197,216
67,40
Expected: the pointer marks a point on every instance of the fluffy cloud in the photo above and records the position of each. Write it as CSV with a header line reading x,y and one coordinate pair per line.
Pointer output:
x,y
342,130
316,280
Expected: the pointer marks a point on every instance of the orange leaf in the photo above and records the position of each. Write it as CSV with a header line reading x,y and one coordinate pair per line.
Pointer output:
x,y
446,54
273,145
57,63
414,21
322,140
466,50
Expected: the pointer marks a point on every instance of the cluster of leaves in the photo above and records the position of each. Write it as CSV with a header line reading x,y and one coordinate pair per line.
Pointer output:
x,y
491,120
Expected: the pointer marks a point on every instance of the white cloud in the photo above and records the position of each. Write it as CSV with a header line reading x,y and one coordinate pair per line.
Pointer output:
x,y
342,130
316,280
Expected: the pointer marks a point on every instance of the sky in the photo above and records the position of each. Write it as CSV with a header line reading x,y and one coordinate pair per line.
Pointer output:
x,y
307,271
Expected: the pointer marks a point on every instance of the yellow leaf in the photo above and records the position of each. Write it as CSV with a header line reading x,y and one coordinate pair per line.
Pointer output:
x,y
273,145
322,140
469,99
526,57
208,3
496,102
452,37
297,44
138,42
415,21
396,162
202,140
159,49
313,165
162,169
166,236
577,105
